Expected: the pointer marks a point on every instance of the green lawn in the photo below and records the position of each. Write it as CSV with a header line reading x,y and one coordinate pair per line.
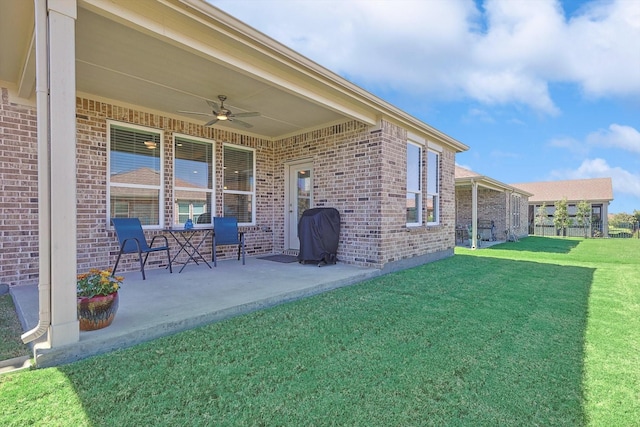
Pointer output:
x,y
10,330
544,331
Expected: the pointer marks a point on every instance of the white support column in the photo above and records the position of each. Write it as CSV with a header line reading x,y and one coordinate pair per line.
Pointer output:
x,y
474,214
605,219
62,99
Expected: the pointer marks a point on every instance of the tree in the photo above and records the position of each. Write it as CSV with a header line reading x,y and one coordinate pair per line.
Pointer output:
x,y
561,218
636,214
622,220
541,216
583,216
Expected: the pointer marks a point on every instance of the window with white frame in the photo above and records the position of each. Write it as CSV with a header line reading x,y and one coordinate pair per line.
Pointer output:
x,y
433,187
515,211
193,180
135,173
414,184
239,188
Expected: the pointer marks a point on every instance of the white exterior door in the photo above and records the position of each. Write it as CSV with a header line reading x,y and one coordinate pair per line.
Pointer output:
x,y
299,198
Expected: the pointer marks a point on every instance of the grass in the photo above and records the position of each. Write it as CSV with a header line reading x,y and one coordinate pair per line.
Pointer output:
x,y
10,330
540,332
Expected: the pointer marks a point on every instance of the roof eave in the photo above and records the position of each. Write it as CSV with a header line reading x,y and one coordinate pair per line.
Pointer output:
x,y
371,108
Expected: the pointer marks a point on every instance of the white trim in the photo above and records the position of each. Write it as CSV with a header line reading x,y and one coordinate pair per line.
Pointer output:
x,y
161,194
212,207
288,165
416,138
437,194
419,190
435,147
254,184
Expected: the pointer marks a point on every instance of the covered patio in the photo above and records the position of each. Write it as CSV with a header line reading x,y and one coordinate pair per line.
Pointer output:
x,y
112,113
490,208
167,303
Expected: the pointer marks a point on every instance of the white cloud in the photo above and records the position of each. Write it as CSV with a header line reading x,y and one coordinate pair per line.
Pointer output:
x,y
619,136
604,56
623,181
508,53
570,144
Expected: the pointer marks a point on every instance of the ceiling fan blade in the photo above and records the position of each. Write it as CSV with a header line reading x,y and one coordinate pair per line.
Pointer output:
x,y
195,112
241,123
251,114
213,104
211,122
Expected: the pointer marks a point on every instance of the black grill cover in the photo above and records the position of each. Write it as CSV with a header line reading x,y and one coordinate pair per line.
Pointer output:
x,y
319,232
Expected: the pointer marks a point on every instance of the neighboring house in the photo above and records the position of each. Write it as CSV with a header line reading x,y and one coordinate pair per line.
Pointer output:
x,y
93,125
598,192
493,208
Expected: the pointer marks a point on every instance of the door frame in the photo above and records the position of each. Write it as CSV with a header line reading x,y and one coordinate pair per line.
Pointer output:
x,y
288,190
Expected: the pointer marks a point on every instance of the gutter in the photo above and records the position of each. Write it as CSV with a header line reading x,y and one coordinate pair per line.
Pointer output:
x,y
44,172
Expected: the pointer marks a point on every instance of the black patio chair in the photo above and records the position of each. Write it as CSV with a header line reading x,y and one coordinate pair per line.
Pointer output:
x,y
132,241
225,232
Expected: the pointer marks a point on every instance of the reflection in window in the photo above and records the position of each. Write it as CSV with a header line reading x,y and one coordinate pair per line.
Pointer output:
x,y
304,191
239,183
193,181
414,187
135,173
433,187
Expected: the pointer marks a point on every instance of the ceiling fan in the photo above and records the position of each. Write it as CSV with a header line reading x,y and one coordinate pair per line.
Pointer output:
x,y
221,113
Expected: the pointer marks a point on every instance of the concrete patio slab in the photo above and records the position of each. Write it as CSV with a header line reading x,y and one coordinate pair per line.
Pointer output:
x,y
169,303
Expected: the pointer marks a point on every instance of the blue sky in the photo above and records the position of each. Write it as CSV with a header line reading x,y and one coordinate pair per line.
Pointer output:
x,y
538,89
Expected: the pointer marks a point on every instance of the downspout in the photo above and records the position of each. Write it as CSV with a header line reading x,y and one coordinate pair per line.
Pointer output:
x,y
44,183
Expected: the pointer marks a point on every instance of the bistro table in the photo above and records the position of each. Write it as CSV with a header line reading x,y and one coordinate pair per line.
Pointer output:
x,y
184,239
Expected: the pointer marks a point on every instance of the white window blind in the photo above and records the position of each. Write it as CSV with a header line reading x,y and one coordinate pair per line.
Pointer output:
x,y
239,183
135,173
193,181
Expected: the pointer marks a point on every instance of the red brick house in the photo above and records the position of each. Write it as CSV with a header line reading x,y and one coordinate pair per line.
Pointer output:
x,y
490,205
103,113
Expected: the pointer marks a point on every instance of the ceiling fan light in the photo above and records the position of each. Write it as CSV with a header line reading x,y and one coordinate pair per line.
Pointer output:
x,y
221,117
150,144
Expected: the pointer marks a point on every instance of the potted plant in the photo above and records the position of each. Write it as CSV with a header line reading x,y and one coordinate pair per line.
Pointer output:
x,y
97,293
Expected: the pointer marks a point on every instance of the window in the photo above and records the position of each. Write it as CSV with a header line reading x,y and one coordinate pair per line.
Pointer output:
x,y
193,180
135,173
414,184
239,191
433,187
515,211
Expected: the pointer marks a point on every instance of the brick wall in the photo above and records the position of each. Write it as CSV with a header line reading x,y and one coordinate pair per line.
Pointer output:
x,y
346,163
359,171
18,192
492,205
399,242
97,244
362,173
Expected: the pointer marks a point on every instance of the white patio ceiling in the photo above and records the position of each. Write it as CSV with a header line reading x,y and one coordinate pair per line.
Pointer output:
x,y
170,55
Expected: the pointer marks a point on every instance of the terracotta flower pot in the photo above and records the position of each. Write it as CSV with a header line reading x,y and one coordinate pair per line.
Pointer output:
x,y
97,312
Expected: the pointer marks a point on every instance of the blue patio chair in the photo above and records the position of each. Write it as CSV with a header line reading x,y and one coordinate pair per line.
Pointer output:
x,y
132,241
225,232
